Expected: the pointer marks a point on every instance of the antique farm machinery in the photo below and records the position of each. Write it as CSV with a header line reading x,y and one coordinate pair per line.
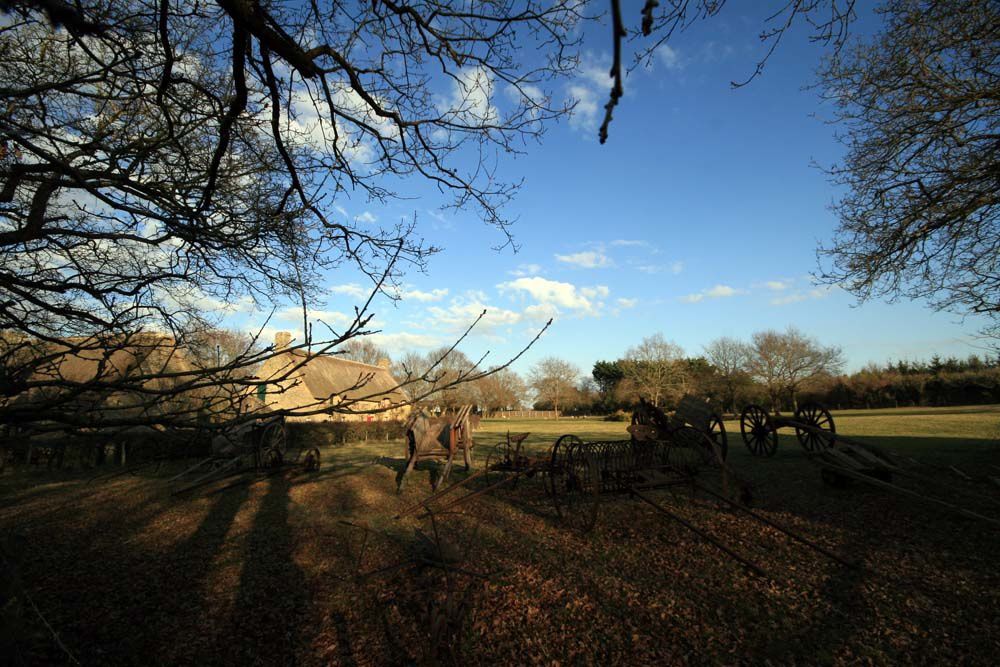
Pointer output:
x,y
261,445
579,476
843,460
437,438
813,424
692,412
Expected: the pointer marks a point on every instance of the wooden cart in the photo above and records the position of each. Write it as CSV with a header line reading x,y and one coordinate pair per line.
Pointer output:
x,y
812,422
438,438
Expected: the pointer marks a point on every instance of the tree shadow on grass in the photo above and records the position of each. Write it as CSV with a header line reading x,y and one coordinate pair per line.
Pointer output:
x,y
116,602
271,616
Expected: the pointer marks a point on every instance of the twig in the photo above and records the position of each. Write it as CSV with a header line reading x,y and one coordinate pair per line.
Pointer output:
x,y
52,630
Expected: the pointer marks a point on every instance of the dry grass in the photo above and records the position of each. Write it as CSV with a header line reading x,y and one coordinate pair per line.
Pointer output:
x,y
263,573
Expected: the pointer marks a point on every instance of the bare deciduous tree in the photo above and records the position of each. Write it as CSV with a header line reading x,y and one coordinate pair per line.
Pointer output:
x,y
658,22
920,104
653,370
782,361
363,350
501,390
730,358
163,162
553,381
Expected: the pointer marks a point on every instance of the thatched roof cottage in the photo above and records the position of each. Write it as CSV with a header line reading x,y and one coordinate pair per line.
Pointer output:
x,y
100,380
328,387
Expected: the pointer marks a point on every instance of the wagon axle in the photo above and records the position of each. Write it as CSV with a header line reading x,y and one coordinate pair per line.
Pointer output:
x,y
812,422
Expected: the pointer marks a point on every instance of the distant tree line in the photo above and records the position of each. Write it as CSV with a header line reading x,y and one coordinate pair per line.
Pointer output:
x,y
777,369
781,369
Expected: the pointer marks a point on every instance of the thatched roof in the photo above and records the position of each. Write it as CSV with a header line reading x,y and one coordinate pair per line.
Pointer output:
x,y
326,376
83,360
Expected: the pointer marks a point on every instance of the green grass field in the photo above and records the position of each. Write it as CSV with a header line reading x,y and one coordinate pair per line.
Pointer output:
x,y
264,570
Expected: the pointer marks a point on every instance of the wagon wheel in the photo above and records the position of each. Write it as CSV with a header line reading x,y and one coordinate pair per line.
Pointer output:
x,y
273,444
312,460
758,432
273,437
555,461
717,432
821,434
494,465
573,483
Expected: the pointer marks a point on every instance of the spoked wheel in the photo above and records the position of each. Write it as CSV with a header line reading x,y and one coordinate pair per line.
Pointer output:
x,y
311,461
717,432
820,433
758,433
574,484
274,438
495,464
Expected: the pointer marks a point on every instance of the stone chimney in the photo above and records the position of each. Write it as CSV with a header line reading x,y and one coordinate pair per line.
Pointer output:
x,y
282,339
384,363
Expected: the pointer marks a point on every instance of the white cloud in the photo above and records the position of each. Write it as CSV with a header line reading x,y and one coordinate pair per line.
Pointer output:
x,y
404,341
471,98
352,290
541,311
669,57
674,268
627,303
590,259
525,270
795,297
585,109
788,298
588,91
366,217
461,313
715,292
625,243
775,285
424,297
559,294
294,314
310,121
598,292
596,73
526,93
720,291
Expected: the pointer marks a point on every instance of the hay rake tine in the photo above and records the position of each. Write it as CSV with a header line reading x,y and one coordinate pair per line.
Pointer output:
x,y
867,479
755,569
871,453
470,496
438,494
780,528
210,476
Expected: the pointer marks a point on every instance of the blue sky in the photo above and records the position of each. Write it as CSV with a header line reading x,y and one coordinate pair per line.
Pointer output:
x,y
699,218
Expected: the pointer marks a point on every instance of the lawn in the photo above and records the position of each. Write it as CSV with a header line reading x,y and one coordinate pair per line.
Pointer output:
x,y
266,571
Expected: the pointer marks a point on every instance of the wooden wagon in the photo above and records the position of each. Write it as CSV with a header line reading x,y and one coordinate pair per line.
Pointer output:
x,y
650,422
813,424
438,438
259,445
